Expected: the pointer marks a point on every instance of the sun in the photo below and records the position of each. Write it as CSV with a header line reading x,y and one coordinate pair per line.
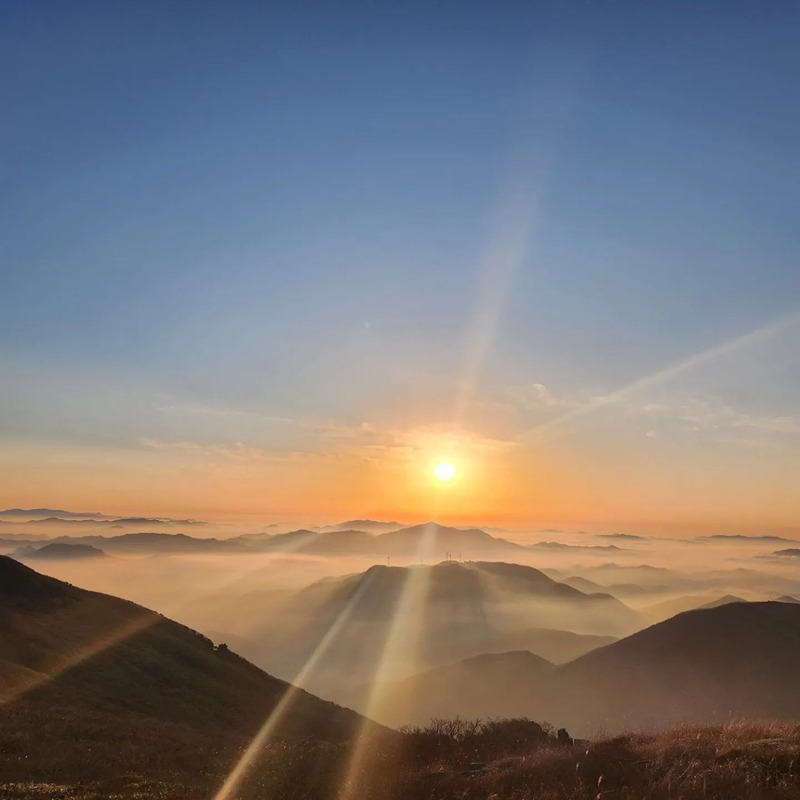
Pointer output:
x,y
444,471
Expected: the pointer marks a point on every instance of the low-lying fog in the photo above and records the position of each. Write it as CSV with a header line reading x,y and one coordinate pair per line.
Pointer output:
x,y
364,610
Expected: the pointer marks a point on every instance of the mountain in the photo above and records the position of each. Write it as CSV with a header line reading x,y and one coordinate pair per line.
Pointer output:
x,y
711,666
739,537
344,542
107,523
87,679
723,601
786,598
50,517
739,660
365,525
486,686
583,584
556,646
431,540
561,546
58,551
36,513
151,543
619,590
677,605
632,589
12,541
407,619
428,541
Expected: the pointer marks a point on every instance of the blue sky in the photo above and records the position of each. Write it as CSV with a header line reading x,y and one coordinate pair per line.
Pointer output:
x,y
362,213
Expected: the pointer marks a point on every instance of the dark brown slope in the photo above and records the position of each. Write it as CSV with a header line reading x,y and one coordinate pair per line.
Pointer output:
x,y
704,666
87,679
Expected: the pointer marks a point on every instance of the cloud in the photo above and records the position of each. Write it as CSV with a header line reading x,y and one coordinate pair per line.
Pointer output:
x,y
625,395
700,414
537,397
215,411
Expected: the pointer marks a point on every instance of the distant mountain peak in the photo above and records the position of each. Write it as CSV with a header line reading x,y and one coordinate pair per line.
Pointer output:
x,y
60,550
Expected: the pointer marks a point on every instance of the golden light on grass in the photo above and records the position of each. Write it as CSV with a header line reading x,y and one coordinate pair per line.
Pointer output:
x,y
445,471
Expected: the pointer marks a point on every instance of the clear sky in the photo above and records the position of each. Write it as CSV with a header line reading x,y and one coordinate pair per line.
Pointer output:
x,y
282,259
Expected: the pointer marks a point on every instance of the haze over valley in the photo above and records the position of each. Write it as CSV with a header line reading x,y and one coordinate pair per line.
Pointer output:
x,y
411,623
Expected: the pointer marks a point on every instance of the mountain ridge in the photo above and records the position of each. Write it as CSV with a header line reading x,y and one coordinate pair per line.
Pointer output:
x,y
80,669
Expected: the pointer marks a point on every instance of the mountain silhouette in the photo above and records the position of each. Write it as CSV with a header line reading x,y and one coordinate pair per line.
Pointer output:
x,y
25,513
724,600
431,540
428,542
57,551
364,525
150,543
704,666
657,612
710,666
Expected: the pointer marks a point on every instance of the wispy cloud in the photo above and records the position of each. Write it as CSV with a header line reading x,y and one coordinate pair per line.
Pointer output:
x,y
236,451
710,414
191,409
623,396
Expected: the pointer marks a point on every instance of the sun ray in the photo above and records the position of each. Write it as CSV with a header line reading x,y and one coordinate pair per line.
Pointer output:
x,y
409,611
82,654
276,716
511,231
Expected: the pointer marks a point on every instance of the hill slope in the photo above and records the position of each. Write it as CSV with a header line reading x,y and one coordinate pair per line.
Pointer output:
x,y
487,686
737,660
703,666
84,676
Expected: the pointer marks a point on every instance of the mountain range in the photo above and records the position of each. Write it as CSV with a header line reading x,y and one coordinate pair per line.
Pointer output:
x,y
430,615
55,516
58,552
427,541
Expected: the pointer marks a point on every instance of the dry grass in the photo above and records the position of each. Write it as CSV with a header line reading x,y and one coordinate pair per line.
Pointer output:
x,y
725,763
523,762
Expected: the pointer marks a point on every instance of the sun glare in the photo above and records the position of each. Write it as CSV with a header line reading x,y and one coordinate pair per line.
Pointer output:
x,y
444,471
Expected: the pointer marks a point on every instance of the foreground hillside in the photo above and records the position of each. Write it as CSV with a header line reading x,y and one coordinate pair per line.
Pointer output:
x,y
94,686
